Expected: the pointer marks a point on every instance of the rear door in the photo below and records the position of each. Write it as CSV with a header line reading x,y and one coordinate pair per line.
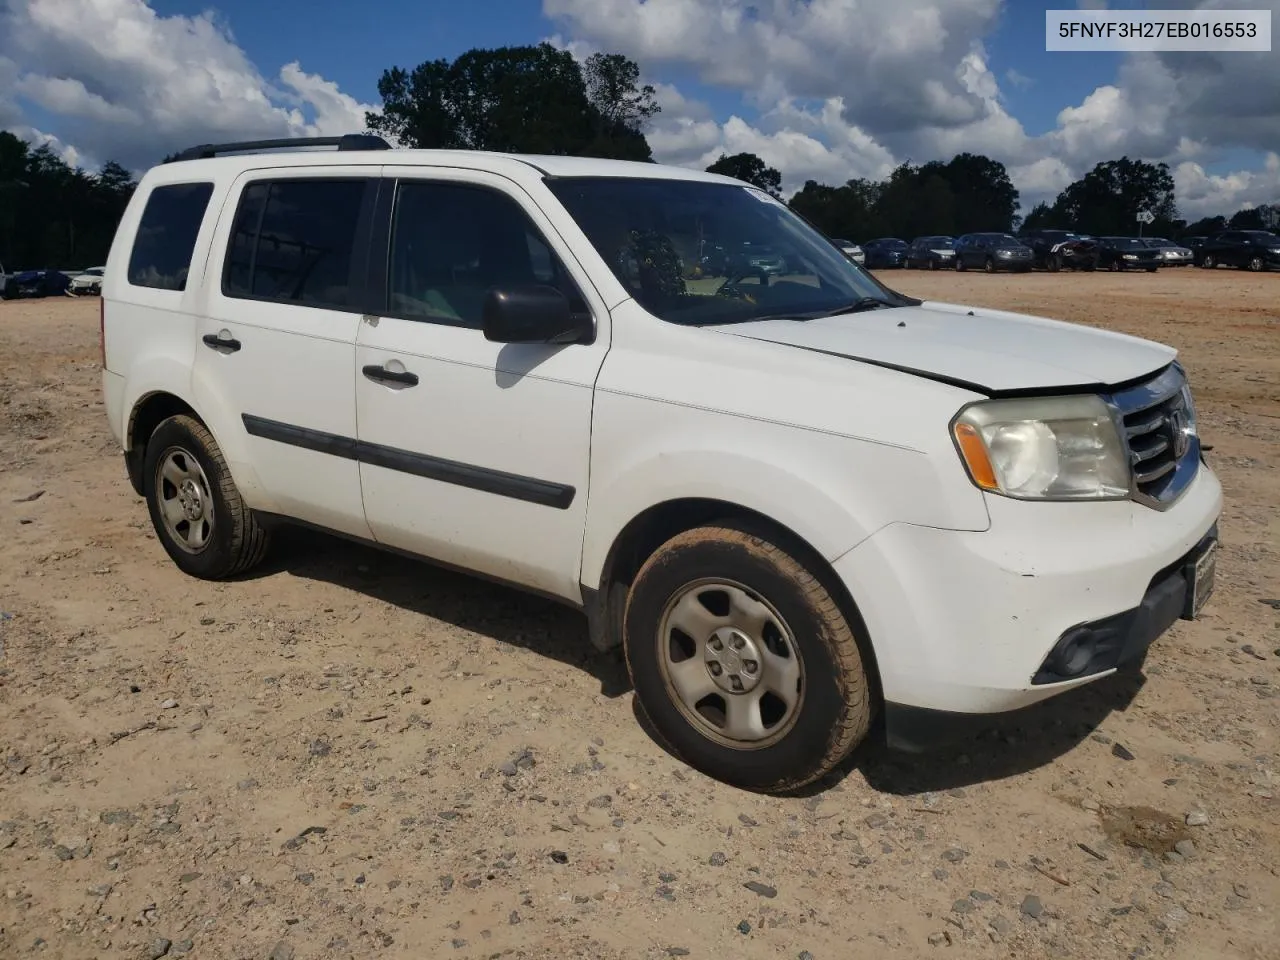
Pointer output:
x,y
275,347
475,453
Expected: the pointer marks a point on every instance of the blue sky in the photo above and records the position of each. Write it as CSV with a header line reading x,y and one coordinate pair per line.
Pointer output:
x,y
822,89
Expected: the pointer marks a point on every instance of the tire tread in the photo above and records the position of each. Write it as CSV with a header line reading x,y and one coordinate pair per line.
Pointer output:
x,y
840,641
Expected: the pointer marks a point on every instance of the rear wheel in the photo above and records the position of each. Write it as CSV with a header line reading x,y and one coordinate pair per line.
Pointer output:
x,y
743,661
1209,261
1256,264
196,510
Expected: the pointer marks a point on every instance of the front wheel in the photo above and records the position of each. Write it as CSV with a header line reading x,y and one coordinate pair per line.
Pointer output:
x,y
1256,264
197,512
743,661
989,265
1209,261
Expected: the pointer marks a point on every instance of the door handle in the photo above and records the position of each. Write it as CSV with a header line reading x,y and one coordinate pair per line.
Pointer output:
x,y
227,344
380,374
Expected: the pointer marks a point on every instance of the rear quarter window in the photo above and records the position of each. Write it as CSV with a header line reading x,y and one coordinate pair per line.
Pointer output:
x,y
166,237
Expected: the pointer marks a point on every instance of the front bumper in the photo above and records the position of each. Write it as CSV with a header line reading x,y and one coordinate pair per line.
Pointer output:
x,y
966,622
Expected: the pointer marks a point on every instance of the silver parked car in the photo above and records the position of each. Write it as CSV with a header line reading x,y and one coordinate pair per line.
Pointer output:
x,y
1171,254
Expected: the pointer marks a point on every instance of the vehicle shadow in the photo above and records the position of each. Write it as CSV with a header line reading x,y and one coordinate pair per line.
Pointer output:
x,y
1005,746
506,615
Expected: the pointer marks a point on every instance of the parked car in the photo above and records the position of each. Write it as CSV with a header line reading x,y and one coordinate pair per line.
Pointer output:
x,y
993,252
87,281
743,259
1255,250
1127,253
931,253
1171,254
35,283
798,507
885,253
851,250
1056,250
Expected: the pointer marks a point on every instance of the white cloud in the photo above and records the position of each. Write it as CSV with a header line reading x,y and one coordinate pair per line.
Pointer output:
x,y
1202,194
129,84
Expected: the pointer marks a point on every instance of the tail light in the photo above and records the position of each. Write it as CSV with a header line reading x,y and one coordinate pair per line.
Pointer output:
x,y
102,332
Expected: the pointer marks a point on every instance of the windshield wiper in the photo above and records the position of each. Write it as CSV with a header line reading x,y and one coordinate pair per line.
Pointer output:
x,y
855,306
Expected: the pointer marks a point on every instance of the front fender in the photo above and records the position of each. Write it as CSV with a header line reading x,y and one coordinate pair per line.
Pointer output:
x,y
831,491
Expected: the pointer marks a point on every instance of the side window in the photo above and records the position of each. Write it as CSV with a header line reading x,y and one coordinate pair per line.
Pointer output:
x,y
292,242
166,238
452,243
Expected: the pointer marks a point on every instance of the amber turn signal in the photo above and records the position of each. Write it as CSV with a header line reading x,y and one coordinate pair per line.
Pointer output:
x,y
975,456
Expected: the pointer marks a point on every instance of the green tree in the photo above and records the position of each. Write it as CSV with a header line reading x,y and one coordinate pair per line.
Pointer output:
x,y
1107,199
528,99
52,215
749,168
985,197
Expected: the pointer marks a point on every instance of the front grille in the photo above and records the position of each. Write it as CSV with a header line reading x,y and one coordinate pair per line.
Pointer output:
x,y
1156,424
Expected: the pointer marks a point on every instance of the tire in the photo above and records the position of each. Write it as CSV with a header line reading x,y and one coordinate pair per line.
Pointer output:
x,y
804,634
1209,261
1054,263
1114,266
1256,265
960,267
989,265
184,468
933,264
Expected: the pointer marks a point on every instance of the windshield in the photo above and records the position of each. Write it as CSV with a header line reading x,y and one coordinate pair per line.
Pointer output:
x,y
698,253
1126,243
1262,235
938,242
1158,242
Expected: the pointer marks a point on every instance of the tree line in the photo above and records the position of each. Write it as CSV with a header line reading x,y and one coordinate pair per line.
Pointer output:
x,y
53,214
539,99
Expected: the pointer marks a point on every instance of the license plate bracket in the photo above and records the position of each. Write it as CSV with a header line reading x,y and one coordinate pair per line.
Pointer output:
x,y
1201,574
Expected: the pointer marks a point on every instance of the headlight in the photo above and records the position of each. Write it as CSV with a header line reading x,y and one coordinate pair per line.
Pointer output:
x,y
1004,253
1131,256
1043,448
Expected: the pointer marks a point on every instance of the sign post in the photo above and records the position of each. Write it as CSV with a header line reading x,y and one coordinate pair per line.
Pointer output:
x,y
1144,217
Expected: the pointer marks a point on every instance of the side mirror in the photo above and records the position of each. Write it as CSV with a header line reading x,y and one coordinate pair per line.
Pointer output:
x,y
533,314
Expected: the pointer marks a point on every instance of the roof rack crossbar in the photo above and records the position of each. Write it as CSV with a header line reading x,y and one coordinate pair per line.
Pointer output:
x,y
349,141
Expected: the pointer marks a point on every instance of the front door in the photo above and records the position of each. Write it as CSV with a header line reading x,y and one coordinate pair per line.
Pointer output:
x,y
471,452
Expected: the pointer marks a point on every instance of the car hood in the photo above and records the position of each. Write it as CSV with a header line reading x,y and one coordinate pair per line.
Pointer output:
x,y
989,351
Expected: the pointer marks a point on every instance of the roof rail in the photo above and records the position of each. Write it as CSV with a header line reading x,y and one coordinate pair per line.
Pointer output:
x,y
349,141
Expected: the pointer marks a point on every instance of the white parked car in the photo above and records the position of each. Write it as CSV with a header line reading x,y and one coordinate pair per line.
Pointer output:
x,y
797,501
1171,254
87,281
852,251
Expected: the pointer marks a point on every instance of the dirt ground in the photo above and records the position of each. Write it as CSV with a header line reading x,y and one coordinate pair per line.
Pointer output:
x,y
353,755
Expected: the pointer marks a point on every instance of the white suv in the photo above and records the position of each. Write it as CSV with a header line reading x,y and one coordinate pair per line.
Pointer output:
x,y
796,498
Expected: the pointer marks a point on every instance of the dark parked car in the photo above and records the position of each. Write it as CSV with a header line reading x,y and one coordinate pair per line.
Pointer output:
x,y
886,252
1058,249
35,283
1255,250
746,260
931,253
1128,253
993,252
